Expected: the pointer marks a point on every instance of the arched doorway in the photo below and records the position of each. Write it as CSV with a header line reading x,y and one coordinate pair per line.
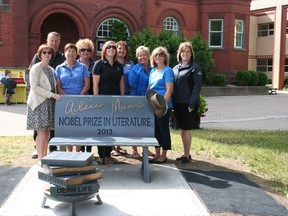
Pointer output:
x,y
62,24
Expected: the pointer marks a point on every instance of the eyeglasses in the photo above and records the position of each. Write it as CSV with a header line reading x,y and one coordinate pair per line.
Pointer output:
x,y
84,49
159,54
47,52
111,46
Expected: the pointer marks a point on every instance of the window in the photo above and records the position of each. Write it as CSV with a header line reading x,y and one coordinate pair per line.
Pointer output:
x,y
104,32
171,24
216,33
287,27
264,65
4,5
239,34
265,29
286,65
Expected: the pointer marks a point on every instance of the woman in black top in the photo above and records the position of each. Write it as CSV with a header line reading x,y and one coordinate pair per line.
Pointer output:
x,y
186,98
108,79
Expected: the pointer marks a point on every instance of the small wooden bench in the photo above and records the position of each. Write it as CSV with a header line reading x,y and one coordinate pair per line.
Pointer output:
x,y
273,90
105,121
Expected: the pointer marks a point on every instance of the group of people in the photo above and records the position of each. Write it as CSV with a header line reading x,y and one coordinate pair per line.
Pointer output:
x,y
53,74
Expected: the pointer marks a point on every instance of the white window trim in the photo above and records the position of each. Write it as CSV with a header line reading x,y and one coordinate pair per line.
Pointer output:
x,y
239,33
173,25
221,32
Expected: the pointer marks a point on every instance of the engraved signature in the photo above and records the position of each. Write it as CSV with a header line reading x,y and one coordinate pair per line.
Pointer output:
x,y
118,107
73,109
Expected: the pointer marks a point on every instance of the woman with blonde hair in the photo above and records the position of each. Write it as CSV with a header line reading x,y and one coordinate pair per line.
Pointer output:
x,y
161,80
186,98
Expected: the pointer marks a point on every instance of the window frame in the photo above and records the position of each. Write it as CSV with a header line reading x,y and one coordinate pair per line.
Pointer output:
x,y
105,26
239,35
267,64
210,32
171,24
266,29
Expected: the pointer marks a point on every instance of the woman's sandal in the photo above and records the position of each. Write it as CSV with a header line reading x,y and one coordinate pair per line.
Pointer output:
x,y
115,153
121,151
135,155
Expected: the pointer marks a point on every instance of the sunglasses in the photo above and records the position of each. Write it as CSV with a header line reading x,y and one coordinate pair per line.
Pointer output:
x,y
111,46
47,52
159,54
84,49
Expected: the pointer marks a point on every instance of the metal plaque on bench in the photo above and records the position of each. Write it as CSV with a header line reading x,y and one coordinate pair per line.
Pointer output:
x,y
80,116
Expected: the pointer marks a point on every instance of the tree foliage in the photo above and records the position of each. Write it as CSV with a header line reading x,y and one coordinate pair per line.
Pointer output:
x,y
203,55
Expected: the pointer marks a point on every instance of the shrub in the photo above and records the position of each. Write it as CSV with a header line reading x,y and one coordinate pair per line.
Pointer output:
x,y
243,78
262,78
203,105
286,81
254,79
218,80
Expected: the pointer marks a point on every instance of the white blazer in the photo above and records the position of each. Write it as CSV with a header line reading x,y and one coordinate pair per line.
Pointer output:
x,y
40,87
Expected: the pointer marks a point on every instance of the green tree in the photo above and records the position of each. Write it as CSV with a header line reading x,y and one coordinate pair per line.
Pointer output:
x,y
203,57
142,38
119,31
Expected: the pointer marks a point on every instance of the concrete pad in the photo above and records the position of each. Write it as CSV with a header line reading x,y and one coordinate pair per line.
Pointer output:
x,y
122,191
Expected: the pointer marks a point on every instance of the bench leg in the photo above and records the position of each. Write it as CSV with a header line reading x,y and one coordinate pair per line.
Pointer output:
x,y
44,202
99,202
145,165
72,209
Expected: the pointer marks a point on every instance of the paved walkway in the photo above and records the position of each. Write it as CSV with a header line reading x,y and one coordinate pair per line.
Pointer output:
x,y
122,189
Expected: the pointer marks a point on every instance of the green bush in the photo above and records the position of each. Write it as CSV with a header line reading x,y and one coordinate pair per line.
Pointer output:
x,y
203,55
243,78
286,81
203,105
262,78
218,80
254,79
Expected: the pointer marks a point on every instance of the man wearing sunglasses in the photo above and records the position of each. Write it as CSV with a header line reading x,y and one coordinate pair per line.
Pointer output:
x,y
53,40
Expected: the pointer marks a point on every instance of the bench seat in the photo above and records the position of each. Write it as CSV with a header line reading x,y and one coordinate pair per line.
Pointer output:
x,y
104,141
144,142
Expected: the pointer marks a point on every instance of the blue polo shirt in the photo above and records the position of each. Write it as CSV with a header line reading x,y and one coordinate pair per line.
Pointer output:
x,y
72,80
158,80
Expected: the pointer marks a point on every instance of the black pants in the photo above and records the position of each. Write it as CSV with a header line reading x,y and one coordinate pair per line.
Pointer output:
x,y
52,134
104,151
88,148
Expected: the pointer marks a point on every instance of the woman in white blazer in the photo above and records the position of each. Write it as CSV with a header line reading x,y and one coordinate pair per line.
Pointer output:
x,y
41,99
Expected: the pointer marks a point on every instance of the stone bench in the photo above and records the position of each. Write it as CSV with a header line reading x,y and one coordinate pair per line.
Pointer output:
x,y
105,121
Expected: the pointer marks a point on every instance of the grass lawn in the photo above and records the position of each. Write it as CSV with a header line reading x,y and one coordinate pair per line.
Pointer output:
x,y
266,153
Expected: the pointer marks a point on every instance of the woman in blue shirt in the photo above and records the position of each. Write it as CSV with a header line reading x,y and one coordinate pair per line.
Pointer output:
x,y
138,80
161,80
72,77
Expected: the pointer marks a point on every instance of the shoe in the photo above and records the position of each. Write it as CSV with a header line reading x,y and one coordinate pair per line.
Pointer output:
x,y
121,151
159,161
151,160
185,160
106,160
34,154
8,102
151,154
180,158
115,153
135,155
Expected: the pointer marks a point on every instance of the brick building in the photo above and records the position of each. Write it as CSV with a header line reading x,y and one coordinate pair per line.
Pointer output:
x,y
223,23
268,45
